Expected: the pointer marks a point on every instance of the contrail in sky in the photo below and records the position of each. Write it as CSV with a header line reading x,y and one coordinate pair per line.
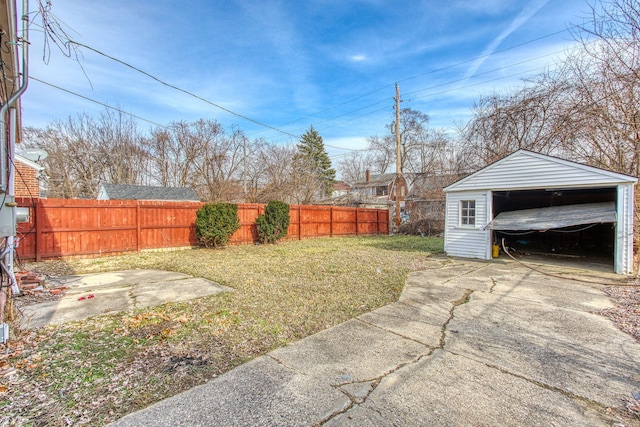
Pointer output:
x,y
522,17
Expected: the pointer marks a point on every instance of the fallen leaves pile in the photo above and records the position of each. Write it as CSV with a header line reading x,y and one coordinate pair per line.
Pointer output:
x,y
626,313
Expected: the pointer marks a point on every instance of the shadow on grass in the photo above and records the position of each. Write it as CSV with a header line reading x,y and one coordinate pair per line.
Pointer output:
x,y
434,245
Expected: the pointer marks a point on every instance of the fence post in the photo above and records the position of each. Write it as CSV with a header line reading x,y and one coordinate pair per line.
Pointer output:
x,y
39,216
138,231
331,221
357,209
299,222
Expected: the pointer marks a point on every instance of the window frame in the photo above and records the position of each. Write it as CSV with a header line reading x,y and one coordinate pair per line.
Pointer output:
x,y
467,217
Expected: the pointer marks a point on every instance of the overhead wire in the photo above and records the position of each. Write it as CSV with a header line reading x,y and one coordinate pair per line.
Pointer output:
x,y
437,70
97,102
70,45
242,116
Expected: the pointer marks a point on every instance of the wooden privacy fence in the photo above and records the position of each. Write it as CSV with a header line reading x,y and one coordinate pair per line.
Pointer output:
x,y
70,228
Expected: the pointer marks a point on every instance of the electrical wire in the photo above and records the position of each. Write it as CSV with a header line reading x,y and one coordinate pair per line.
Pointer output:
x,y
67,45
183,90
55,33
97,102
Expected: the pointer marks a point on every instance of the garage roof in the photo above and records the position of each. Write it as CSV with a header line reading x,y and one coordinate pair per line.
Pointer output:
x,y
526,170
554,217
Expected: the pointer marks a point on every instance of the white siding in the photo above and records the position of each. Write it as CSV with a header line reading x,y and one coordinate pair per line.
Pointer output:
x,y
527,170
524,170
624,230
466,241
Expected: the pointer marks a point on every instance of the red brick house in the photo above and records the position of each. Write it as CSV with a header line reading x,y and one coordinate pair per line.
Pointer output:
x,y
27,179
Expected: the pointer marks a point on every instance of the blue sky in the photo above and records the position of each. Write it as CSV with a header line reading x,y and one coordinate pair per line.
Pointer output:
x,y
294,63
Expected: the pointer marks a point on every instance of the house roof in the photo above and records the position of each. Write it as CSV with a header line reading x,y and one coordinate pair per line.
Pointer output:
x,y
524,169
144,192
341,185
29,163
376,180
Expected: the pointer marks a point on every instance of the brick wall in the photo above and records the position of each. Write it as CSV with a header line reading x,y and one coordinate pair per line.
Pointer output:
x,y
26,181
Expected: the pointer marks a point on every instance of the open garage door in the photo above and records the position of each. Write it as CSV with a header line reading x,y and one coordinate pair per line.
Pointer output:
x,y
554,217
569,224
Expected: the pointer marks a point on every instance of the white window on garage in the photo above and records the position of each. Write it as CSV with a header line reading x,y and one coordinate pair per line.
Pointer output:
x,y
467,212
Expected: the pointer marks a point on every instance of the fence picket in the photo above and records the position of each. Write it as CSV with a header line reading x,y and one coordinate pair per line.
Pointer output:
x,y
60,228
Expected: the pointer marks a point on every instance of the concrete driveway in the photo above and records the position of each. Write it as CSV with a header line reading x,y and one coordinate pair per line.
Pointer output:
x,y
468,344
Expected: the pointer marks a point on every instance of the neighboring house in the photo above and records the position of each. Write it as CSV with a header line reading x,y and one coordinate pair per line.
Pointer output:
x,y
27,179
340,188
381,187
145,192
426,199
542,204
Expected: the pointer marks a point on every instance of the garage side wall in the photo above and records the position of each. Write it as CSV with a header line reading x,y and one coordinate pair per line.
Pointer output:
x,y
463,240
624,230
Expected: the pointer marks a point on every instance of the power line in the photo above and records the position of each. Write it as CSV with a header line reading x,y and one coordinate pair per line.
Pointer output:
x,y
183,90
97,102
71,42
437,70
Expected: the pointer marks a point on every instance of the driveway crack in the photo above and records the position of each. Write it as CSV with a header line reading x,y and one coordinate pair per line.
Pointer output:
x,y
375,382
455,304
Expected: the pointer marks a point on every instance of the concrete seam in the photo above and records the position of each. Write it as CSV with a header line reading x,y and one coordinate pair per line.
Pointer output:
x,y
537,383
281,363
466,273
394,333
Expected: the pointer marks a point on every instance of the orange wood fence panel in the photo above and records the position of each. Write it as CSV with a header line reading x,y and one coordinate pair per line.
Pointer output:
x,y
71,228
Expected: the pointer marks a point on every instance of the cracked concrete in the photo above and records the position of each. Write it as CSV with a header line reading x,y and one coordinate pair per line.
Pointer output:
x,y
468,343
106,293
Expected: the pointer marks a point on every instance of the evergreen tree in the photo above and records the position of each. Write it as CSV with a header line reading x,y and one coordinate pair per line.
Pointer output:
x,y
316,161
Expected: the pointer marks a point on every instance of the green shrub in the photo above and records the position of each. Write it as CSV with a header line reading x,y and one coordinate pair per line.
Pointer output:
x,y
216,223
273,225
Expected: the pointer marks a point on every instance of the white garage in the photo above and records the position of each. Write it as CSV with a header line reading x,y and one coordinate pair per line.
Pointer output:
x,y
541,204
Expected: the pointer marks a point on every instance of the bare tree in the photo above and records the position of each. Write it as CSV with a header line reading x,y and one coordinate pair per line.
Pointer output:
x,y
273,173
354,166
85,152
586,110
200,155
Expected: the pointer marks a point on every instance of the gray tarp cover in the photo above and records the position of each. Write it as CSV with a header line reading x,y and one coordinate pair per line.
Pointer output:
x,y
554,217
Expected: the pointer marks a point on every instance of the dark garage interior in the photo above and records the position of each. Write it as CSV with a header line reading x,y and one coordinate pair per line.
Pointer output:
x,y
593,242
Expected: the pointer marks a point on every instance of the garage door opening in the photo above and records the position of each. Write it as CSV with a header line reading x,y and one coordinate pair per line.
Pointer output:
x,y
570,224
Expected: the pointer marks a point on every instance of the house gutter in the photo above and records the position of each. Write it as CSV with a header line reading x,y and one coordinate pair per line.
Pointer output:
x,y
7,147
5,164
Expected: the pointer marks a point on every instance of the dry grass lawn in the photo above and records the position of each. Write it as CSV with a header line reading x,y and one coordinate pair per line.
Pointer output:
x,y
94,371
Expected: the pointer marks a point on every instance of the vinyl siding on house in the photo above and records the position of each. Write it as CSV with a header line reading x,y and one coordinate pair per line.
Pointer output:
x,y
464,240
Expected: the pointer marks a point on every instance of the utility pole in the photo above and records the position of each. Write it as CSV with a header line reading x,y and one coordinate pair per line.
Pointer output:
x,y
398,155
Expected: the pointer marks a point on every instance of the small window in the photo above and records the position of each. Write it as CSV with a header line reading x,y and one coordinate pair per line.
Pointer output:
x,y
468,212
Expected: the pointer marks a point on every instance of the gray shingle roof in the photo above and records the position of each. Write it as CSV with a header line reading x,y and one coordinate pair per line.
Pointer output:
x,y
145,192
376,180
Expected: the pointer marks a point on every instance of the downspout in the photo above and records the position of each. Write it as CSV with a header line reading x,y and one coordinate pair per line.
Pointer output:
x,y
7,148
23,87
